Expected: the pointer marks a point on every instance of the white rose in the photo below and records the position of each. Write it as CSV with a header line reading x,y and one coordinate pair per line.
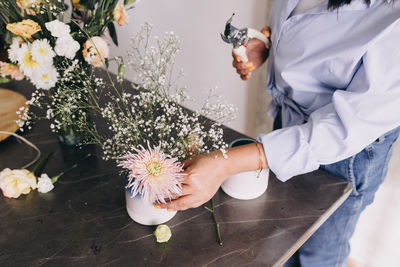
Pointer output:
x,y
13,183
58,28
44,184
67,47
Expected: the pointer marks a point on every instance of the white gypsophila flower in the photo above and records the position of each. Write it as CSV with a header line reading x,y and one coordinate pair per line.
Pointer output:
x,y
42,51
178,132
67,47
44,184
45,78
57,28
14,50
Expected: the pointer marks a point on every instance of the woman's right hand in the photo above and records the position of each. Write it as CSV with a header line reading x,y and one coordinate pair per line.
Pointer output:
x,y
206,172
257,54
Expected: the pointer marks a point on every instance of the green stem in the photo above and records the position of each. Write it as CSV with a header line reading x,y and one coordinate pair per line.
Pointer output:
x,y
107,71
212,210
38,168
54,179
49,12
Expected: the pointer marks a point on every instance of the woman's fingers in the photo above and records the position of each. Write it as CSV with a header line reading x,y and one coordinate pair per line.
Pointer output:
x,y
204,176
266,31
236,58
182,203
243,69
186,190
245,77
190,196
186,163
257,52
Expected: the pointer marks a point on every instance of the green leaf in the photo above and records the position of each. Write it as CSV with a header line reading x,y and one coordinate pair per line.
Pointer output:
x,y
113,33
121,69
90,5
8,37
112,6
4,80
107,63
128,2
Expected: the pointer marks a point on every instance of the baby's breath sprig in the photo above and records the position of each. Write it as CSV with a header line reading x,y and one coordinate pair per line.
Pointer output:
x,y
156,111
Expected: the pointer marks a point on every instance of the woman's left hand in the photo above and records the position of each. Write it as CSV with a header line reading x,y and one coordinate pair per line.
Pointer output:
x,y
204,175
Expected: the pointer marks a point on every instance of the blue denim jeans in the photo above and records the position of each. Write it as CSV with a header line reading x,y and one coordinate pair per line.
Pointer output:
x,y
329,245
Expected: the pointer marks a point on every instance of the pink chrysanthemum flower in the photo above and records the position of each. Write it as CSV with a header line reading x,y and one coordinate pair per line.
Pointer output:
x,y
153,175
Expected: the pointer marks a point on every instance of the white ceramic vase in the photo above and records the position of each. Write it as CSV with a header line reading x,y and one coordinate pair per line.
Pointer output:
x,y
246,185
143,212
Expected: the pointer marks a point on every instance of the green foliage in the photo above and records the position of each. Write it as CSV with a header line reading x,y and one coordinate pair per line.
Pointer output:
x,y
4,80
129,2
113,33
96,16
10,11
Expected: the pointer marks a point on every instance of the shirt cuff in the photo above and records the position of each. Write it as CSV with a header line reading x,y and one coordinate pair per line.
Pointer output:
x,y
288,152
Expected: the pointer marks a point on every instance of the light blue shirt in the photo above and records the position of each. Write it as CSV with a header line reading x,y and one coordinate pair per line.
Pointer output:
x,y
336,76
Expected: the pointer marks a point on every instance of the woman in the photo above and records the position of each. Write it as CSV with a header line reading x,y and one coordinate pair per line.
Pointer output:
x,y
334,74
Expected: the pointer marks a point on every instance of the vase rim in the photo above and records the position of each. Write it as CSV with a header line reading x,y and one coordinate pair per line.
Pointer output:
x,y
249,140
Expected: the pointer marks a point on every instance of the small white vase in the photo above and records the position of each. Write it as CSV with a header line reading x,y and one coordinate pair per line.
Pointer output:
x,y
143,212
246,185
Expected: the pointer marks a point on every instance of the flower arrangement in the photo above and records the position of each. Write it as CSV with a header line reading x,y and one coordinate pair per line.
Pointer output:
x,y
150,128
56,47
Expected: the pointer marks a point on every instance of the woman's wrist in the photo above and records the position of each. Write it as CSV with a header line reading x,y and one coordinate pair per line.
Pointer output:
x,y
224,164
250,157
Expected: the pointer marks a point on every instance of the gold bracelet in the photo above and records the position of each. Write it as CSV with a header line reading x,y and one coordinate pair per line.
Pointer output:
x,y
260,158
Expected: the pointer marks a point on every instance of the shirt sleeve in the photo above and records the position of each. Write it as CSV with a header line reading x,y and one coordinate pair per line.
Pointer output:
x,y
356,117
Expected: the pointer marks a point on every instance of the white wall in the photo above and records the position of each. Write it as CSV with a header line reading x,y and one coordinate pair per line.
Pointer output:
x,y
205,58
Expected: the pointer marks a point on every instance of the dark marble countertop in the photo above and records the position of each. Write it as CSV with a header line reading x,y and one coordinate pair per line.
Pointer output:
x,y
83,221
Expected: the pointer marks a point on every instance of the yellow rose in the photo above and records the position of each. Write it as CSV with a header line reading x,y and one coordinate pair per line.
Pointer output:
x,y
25,28
13,183
76,4
162,233
120,15
95,51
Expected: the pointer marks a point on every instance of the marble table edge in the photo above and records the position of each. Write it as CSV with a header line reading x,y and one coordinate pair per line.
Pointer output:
x,y
347,191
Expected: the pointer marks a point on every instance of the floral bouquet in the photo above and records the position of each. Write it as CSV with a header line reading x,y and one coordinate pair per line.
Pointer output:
x,y
151,131
55,47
